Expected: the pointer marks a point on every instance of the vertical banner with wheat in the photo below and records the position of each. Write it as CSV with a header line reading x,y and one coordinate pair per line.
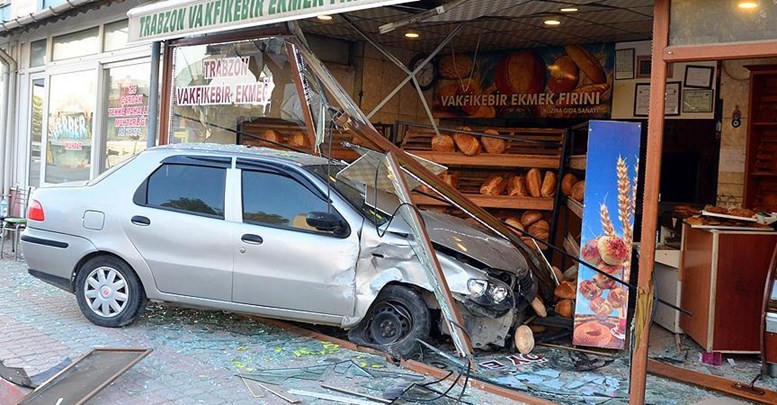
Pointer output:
x,y
607,233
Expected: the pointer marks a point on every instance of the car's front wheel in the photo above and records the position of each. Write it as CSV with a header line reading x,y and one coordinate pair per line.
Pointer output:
x,y
108,292
397,318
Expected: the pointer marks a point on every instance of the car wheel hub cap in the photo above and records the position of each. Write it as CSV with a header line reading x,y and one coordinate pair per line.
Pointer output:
x,y
106,292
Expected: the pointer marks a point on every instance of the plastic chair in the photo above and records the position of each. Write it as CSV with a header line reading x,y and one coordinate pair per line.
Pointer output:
x,y
16,220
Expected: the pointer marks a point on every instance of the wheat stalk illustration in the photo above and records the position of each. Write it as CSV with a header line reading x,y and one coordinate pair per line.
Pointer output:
x,y
624,194
604,215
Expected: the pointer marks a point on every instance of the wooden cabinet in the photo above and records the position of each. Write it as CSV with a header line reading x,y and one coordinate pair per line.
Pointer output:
x,y
761,161
723,275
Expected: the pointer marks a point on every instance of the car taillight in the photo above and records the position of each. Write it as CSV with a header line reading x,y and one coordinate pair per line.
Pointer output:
x,y
35,211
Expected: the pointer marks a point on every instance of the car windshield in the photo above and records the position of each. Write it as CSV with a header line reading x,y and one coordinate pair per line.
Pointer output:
x,y
377,210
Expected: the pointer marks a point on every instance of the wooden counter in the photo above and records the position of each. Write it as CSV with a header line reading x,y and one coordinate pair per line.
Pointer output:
x,y
723,275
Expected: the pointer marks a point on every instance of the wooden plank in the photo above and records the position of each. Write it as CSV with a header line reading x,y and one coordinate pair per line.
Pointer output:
x,y
577,162
490,160
575,207
708,381
652,176
494,201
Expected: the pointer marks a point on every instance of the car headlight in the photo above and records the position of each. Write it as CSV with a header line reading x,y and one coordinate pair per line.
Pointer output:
x,y
477,287
487,291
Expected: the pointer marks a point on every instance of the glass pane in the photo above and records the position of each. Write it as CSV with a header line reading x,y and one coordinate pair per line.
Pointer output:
x,y
219,89
286,205
193,189
77,44
720,21
38,53
69,139
115,35
36,130
127,111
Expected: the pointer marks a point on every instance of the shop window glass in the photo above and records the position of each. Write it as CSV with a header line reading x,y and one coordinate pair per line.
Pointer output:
x,y
76,44
286,206
194,189
126,114
220,89
115,36
38,53
69,131
36,130
695,22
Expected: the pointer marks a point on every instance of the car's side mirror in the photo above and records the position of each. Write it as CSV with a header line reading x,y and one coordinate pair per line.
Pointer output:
x,y
325,221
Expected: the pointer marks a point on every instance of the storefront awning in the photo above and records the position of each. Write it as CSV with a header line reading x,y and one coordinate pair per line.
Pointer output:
x,y
178,18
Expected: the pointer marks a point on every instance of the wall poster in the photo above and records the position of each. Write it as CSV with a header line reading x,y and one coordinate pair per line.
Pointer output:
x,y
574,81
607,233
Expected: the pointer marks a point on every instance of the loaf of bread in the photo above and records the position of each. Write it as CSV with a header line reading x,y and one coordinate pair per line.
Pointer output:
x,y
567,182
443,143
534,182
451,179
530,216
298,140
565,308
514,223
467,144
587,62
548,184
566,290
516,186
540,230
578,190
357,140
493,145
494,185
272,136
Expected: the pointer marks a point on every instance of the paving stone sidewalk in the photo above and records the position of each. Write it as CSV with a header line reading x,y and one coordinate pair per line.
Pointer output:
x,y
196,353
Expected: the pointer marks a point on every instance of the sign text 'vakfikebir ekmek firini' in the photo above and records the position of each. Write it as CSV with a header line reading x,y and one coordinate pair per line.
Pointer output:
x,y
180,18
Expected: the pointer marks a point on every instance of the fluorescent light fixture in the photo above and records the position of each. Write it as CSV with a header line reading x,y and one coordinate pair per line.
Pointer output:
x,y
552,23
412,35
568,9
747,5
324,17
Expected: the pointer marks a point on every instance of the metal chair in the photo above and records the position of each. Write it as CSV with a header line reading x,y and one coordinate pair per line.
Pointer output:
x,y
16,220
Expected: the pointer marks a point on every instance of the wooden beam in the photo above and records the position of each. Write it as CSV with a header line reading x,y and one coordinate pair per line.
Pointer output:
x,y
734,50
709,381
650,203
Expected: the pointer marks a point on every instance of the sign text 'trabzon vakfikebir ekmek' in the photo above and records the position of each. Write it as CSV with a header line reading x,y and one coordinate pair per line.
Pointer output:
x,y
178,18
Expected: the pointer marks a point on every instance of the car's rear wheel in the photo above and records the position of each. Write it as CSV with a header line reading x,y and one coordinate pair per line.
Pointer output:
x,y
395,322
108,292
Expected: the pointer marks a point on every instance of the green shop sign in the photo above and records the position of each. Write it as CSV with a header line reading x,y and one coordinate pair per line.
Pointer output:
x,y
179,18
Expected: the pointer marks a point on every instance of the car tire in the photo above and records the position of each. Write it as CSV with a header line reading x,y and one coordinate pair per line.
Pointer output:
x,y
109,292
396,320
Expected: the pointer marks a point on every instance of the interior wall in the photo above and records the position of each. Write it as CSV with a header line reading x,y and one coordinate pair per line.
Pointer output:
x,y
623,89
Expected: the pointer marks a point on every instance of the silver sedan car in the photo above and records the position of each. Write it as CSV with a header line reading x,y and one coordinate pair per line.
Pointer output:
x,y
270,233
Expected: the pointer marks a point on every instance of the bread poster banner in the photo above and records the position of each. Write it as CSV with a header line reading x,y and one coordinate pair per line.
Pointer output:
x,y
573,81
607,233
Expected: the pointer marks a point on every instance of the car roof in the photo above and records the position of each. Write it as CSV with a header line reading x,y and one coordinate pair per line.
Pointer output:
x,y
286,156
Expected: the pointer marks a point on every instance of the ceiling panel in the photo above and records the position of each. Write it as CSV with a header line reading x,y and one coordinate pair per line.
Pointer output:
x,y
608,16
473,9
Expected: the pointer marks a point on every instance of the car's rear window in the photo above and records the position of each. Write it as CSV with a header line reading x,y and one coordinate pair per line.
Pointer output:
x,y
188,188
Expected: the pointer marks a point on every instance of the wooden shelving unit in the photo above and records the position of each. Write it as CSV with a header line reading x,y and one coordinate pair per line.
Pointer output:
x,y
761,160
526,148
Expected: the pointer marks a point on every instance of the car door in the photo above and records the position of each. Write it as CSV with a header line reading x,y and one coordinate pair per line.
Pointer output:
x,y
282,262
177,225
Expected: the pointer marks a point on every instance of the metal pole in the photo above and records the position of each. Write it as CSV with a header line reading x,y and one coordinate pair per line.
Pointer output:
x,y
153,95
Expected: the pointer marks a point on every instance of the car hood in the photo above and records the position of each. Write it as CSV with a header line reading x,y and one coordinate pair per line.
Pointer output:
x,y
457,235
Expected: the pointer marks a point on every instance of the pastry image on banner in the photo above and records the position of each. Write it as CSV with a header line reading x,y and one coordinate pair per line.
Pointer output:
x,y
607,233
573,81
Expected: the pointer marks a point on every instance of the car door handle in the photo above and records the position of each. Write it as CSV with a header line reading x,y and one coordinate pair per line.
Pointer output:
x,y
140,220
252,239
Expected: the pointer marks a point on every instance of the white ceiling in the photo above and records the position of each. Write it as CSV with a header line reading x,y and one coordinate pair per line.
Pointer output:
x,y
499,24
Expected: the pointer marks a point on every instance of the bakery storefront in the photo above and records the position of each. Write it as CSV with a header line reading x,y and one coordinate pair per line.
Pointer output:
x,y
553,139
